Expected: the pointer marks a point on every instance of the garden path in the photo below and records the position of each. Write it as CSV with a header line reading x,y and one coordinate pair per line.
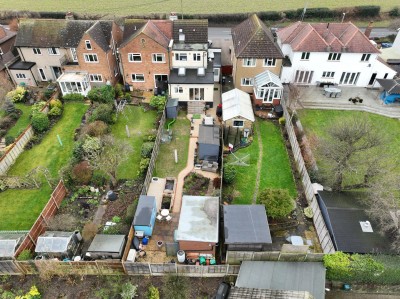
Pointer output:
x,y
260,154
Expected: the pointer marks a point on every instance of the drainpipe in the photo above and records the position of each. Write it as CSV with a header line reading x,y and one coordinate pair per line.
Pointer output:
x,y
109,68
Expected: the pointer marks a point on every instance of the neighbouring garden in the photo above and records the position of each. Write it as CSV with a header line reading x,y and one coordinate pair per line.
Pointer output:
x,y
275,166
165,165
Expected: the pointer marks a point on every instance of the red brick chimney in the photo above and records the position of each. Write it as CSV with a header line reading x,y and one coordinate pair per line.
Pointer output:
x,y
368,30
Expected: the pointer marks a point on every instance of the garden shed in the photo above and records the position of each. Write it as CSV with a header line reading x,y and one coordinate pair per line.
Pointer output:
x,y
145,215
198,224
9,242
58,244
237,110
208,143
246,228
107,246
391,90
172,108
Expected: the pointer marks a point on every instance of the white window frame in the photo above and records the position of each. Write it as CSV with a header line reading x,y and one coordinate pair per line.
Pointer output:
x,y
305,56
179,56
178,89
269,62
196,57
95,78
246,81
74,54
20,76
233,123
42,74
95,58
249,62
131,57
334,56
365,57
328,75
37,51
135,76
88,45
155,57
53,51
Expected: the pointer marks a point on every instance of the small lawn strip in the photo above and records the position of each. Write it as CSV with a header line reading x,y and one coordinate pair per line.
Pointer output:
x,y
165,165
140,124
49,153
22,122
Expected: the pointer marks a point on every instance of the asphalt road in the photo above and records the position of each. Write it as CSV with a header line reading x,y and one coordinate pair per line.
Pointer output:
x,y
215,33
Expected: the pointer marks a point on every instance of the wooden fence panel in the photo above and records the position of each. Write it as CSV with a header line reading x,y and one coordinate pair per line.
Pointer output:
x,y
8,267
132,268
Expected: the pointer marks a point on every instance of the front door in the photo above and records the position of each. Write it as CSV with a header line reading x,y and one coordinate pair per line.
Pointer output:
x,y
372,80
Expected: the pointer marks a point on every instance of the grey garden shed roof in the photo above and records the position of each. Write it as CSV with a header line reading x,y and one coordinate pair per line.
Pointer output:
x,y
9,242
208,135
293,276
144,210
246,224
107,243
56,242
241,293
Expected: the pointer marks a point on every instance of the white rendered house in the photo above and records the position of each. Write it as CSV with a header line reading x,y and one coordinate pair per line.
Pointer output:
x,y
337,53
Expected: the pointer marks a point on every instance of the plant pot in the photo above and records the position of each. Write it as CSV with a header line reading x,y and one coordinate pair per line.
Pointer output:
x,y
160,244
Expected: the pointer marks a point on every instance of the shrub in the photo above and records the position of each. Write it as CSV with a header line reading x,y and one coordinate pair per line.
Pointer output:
x,y
82,173
55,111
9,140
98,179
6,122
282,121
151,137
337,265
229,174
91,145
37,107
278,202
291,14
116,219
48,93
25,255
144,164
146,149
55,103
394,12
153,293
3,133
130,212
78,152
17,95
128,291
269,15
73,97
34,140
103,112
308,212
158,102
175,286
95,129
40,122
13,115
103,94
367,11
9,106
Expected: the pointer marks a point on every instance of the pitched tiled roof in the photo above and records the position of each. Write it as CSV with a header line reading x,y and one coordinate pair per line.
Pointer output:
x,y
252,39
196,31
326,37
158,30
62,33
5,34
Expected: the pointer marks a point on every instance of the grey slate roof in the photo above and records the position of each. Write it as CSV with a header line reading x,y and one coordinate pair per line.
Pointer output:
x,y
191,76
144,210
252,39
196,31
62,33
241,293
293,276
246,224
342,213
208,135
392,86
107,243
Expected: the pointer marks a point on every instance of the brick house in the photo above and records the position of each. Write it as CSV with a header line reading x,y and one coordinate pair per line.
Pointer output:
x,y
7,53
254,51
77,54
144,54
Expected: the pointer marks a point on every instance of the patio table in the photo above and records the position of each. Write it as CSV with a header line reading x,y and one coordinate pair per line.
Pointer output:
x,y
164,212
332,92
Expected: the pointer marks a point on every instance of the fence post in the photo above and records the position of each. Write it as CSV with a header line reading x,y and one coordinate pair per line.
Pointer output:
x,y
176,268
227,270
151,273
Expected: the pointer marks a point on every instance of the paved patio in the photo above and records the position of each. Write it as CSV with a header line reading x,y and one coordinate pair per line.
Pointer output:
x,y
312,97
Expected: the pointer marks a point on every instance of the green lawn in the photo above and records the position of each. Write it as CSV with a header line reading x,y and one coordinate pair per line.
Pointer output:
x,y
275,166
138,7
49,153
22,122
20,208
316,122
140,125
165,165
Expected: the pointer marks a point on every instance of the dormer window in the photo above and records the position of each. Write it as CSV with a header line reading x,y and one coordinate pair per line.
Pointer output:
x,y
88,45
365,57
334,56
37,51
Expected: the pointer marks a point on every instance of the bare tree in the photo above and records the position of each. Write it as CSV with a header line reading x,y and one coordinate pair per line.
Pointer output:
x,y
110,157
346,150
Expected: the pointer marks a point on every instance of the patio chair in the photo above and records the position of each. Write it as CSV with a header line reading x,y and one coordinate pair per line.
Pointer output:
x,y
168,218
159,218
